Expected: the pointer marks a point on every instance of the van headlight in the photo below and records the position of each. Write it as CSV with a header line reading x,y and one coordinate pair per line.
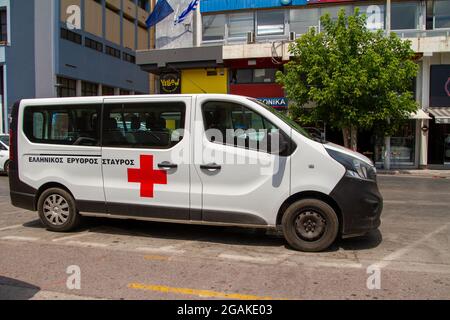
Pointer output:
x,y
356,168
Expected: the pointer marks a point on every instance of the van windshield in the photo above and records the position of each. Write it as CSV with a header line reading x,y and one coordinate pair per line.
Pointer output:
x,y
294,125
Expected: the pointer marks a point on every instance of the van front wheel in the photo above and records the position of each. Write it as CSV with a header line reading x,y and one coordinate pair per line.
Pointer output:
x,y
310,225
57,210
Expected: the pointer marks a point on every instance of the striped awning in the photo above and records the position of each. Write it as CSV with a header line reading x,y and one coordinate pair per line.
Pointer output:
x,y
419,115
441,115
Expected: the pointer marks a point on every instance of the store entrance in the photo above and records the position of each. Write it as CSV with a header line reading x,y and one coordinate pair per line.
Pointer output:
x,y
439,143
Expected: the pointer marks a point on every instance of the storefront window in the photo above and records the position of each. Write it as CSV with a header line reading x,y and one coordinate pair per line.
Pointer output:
x,y
239,24
214,27
301,20
405,15
447,149
270,22
403,145
442,13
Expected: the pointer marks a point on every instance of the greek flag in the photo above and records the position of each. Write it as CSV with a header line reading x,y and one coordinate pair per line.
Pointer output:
x,y
191,7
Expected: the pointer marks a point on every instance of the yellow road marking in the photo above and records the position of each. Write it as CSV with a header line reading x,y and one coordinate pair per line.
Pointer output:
x,y
152,257
195,292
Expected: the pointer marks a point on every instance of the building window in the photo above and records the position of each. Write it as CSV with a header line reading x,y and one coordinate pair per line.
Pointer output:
x,y
405,15
143,4
124,92
333,11
214,27
70,36
3,26
239,24
107,91
128,58
92,44
89,89
113,52
375,16
244,76
442,14
270,22
301,20
66,87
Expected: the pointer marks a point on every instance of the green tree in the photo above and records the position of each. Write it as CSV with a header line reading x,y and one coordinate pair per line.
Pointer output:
x,y
355,78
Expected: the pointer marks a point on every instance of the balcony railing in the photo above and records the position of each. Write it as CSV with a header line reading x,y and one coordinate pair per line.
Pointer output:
x,y
404,34
422,33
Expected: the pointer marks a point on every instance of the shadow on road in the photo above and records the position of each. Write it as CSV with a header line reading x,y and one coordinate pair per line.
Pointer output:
x,y
12,289
211,234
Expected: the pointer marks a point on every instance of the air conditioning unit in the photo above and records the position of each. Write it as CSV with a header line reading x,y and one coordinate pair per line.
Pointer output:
x,y
292,36
250,37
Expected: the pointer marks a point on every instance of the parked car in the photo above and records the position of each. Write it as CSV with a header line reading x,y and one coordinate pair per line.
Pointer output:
x,y
4,153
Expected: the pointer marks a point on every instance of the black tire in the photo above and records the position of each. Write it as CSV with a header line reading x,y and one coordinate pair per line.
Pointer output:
x,y
310,225
62,217
6,168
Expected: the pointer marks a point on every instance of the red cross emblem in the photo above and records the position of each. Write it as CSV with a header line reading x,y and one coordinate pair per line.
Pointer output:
x,y
147,177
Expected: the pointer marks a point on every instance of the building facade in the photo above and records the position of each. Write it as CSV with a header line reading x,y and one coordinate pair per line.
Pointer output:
x,y
237,46
60,48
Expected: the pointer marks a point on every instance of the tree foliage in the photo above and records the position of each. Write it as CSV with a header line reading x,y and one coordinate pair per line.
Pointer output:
x,y
356,78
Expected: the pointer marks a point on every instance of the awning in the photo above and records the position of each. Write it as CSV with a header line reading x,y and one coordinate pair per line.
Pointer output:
x,y
441,115
419,115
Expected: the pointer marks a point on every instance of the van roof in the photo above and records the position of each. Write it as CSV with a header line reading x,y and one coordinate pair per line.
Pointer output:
x,y
96,99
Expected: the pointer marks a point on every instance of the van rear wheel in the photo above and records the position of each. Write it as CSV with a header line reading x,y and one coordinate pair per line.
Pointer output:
x,y
57,210
310,225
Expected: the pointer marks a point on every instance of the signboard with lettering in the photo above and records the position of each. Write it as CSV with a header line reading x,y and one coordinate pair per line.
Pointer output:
x,y
281,102
440,86
220,5
170,83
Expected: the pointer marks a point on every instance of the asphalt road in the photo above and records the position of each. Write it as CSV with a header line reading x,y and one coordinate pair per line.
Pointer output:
x,y
142,260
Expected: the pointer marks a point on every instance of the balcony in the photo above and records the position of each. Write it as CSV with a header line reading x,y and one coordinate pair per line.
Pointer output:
x,y
427,40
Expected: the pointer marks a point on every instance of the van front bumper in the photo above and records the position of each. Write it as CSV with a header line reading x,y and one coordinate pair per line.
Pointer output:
x,y
360,203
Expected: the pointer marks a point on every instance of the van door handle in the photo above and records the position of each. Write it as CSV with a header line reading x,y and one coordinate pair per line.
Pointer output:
x,y
211,166
167,165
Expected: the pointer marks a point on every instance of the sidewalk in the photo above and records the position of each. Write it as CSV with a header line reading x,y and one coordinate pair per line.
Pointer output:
x,y
443,174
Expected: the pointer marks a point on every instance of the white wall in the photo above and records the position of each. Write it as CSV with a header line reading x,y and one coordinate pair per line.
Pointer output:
x,y
169,36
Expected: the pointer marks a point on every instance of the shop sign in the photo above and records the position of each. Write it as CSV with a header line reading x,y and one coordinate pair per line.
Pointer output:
x,y
170,83
275,102
440,86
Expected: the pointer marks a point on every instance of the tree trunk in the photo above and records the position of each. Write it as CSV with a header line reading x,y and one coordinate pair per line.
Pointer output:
x,y
350,135
387,153
354,138
346,136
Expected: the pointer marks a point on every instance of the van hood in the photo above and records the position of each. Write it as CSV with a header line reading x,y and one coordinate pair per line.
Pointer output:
x,y
336,147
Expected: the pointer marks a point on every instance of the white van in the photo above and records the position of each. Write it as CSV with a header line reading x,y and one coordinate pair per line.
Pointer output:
x,y
197,159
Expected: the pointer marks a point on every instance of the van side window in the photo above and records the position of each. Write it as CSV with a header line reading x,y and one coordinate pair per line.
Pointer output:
x,y
64,125
143,125
233,124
